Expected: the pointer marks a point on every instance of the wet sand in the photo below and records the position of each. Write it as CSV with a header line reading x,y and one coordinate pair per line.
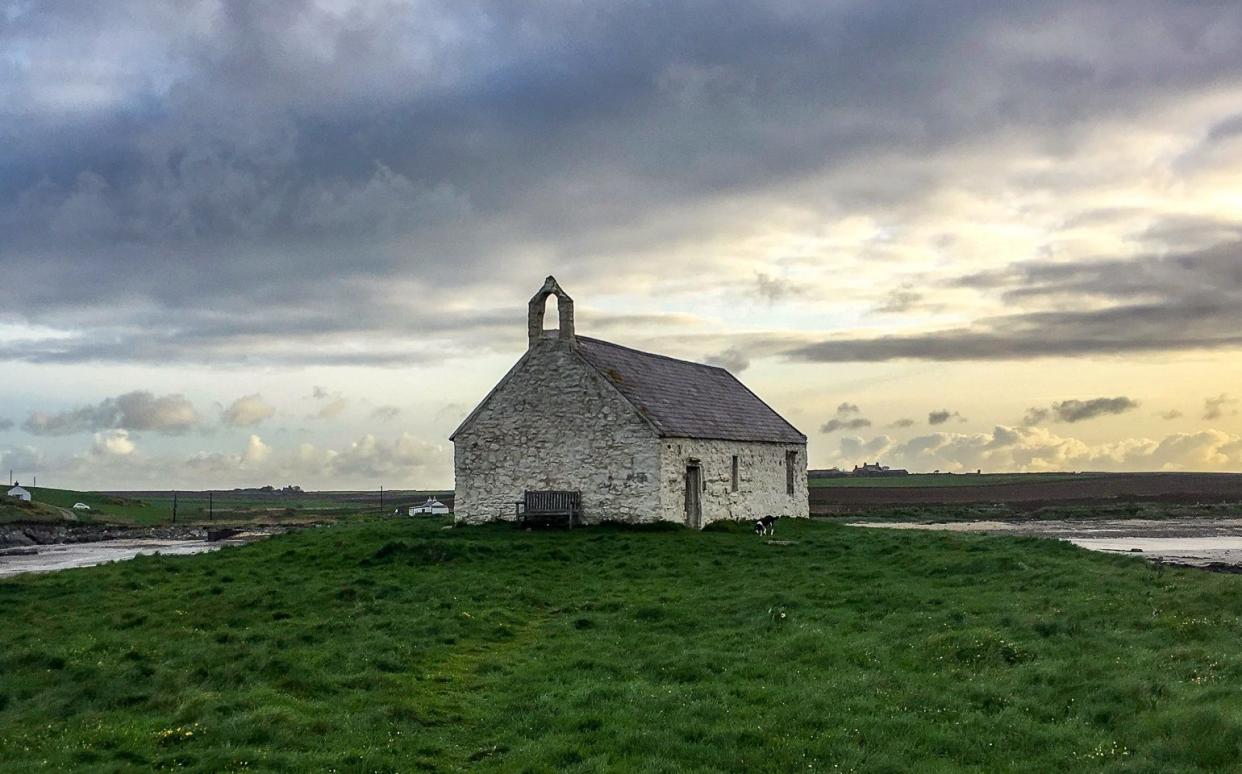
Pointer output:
x,y
64,556
1195,542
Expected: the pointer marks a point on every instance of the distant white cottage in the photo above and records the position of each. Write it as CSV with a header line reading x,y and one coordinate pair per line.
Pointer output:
x,y
622,435
19,493
432,507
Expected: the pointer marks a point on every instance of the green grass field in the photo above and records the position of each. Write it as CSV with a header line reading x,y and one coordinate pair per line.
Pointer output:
x,y
945,479
103,507
399,646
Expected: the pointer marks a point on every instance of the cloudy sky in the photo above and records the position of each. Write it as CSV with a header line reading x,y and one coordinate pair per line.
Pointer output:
x,y
291,242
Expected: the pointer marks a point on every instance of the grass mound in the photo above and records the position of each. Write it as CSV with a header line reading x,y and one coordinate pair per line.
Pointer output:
x,y
12,509
398,646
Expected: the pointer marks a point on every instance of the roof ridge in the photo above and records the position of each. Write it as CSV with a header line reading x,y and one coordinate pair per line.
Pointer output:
x,y
594,340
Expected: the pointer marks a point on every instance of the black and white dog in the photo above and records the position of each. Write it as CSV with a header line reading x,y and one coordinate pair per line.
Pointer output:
x,y
766,525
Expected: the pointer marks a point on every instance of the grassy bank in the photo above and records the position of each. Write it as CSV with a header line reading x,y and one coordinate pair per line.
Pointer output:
x,y
240,507
394,646
12,509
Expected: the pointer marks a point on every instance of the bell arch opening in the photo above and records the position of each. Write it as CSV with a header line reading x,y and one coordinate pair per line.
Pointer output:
x,y
563,315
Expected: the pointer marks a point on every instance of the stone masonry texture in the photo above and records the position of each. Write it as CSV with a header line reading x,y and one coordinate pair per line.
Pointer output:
x,y
557,424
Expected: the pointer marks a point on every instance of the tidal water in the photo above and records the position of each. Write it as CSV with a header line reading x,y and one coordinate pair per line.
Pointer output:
x,y
65,556
1193,541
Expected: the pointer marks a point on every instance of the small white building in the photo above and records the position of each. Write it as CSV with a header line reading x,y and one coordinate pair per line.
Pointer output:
x,y
19,493
432,507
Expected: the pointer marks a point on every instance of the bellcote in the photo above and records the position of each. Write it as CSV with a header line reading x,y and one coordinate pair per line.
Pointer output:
x,y
535,310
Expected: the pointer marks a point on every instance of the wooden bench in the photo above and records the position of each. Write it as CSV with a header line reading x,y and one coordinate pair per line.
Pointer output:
x,y
549,508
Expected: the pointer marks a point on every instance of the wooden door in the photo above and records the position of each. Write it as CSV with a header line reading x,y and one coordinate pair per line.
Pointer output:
x,y
694,497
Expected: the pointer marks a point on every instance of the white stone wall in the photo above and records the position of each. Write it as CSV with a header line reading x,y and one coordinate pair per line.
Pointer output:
x,y
557,424
761,479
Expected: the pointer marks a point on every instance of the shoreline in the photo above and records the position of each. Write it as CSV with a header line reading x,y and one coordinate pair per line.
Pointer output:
x,y
23,535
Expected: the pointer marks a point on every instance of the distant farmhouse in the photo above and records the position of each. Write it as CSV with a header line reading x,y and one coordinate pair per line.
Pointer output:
x,y
432,507
638,437
876,469
19,493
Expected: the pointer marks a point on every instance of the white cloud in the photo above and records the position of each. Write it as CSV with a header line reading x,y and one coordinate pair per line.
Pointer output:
x,y
1035,449
112,443
257,452
247,411
731,359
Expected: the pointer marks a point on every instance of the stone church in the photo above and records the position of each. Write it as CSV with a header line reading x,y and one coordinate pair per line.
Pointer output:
x,y
642,437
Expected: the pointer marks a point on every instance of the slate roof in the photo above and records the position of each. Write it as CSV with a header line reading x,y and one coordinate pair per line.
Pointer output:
x,y
687,400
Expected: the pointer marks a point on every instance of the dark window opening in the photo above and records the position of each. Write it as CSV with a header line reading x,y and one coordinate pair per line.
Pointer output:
x,y
734,472
791,461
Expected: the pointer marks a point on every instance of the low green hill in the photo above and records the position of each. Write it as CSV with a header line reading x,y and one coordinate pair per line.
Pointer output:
x,y
102,507
12,509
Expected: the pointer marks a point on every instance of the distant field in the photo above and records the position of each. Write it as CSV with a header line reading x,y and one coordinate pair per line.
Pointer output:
x,y
250,506
946,479
397,645
1023,491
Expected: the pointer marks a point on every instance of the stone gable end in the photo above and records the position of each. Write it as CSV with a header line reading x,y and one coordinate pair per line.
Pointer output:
x,y
556,423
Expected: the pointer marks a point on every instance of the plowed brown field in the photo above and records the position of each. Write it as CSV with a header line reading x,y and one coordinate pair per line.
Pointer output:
x,y
1121,487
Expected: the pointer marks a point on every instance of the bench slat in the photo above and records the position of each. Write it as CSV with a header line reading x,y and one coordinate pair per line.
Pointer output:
x,y
540,505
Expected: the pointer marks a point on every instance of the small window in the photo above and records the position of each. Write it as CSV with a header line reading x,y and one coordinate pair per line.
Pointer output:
x,y
791,461
734,472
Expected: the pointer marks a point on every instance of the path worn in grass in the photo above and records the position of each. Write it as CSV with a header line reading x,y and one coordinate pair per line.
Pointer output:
x,y
394,646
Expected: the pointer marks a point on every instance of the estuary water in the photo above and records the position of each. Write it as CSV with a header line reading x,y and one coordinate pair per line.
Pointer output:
x,y
1197,541
64,556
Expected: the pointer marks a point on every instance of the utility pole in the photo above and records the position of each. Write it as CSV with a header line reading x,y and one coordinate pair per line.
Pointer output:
x,y
211,513
174,508
381,499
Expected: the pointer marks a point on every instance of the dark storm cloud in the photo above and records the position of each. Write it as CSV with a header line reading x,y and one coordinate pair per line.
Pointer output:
x,y
163,166
1149,304
833,425
1080,410
941,416
847,418
138,410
